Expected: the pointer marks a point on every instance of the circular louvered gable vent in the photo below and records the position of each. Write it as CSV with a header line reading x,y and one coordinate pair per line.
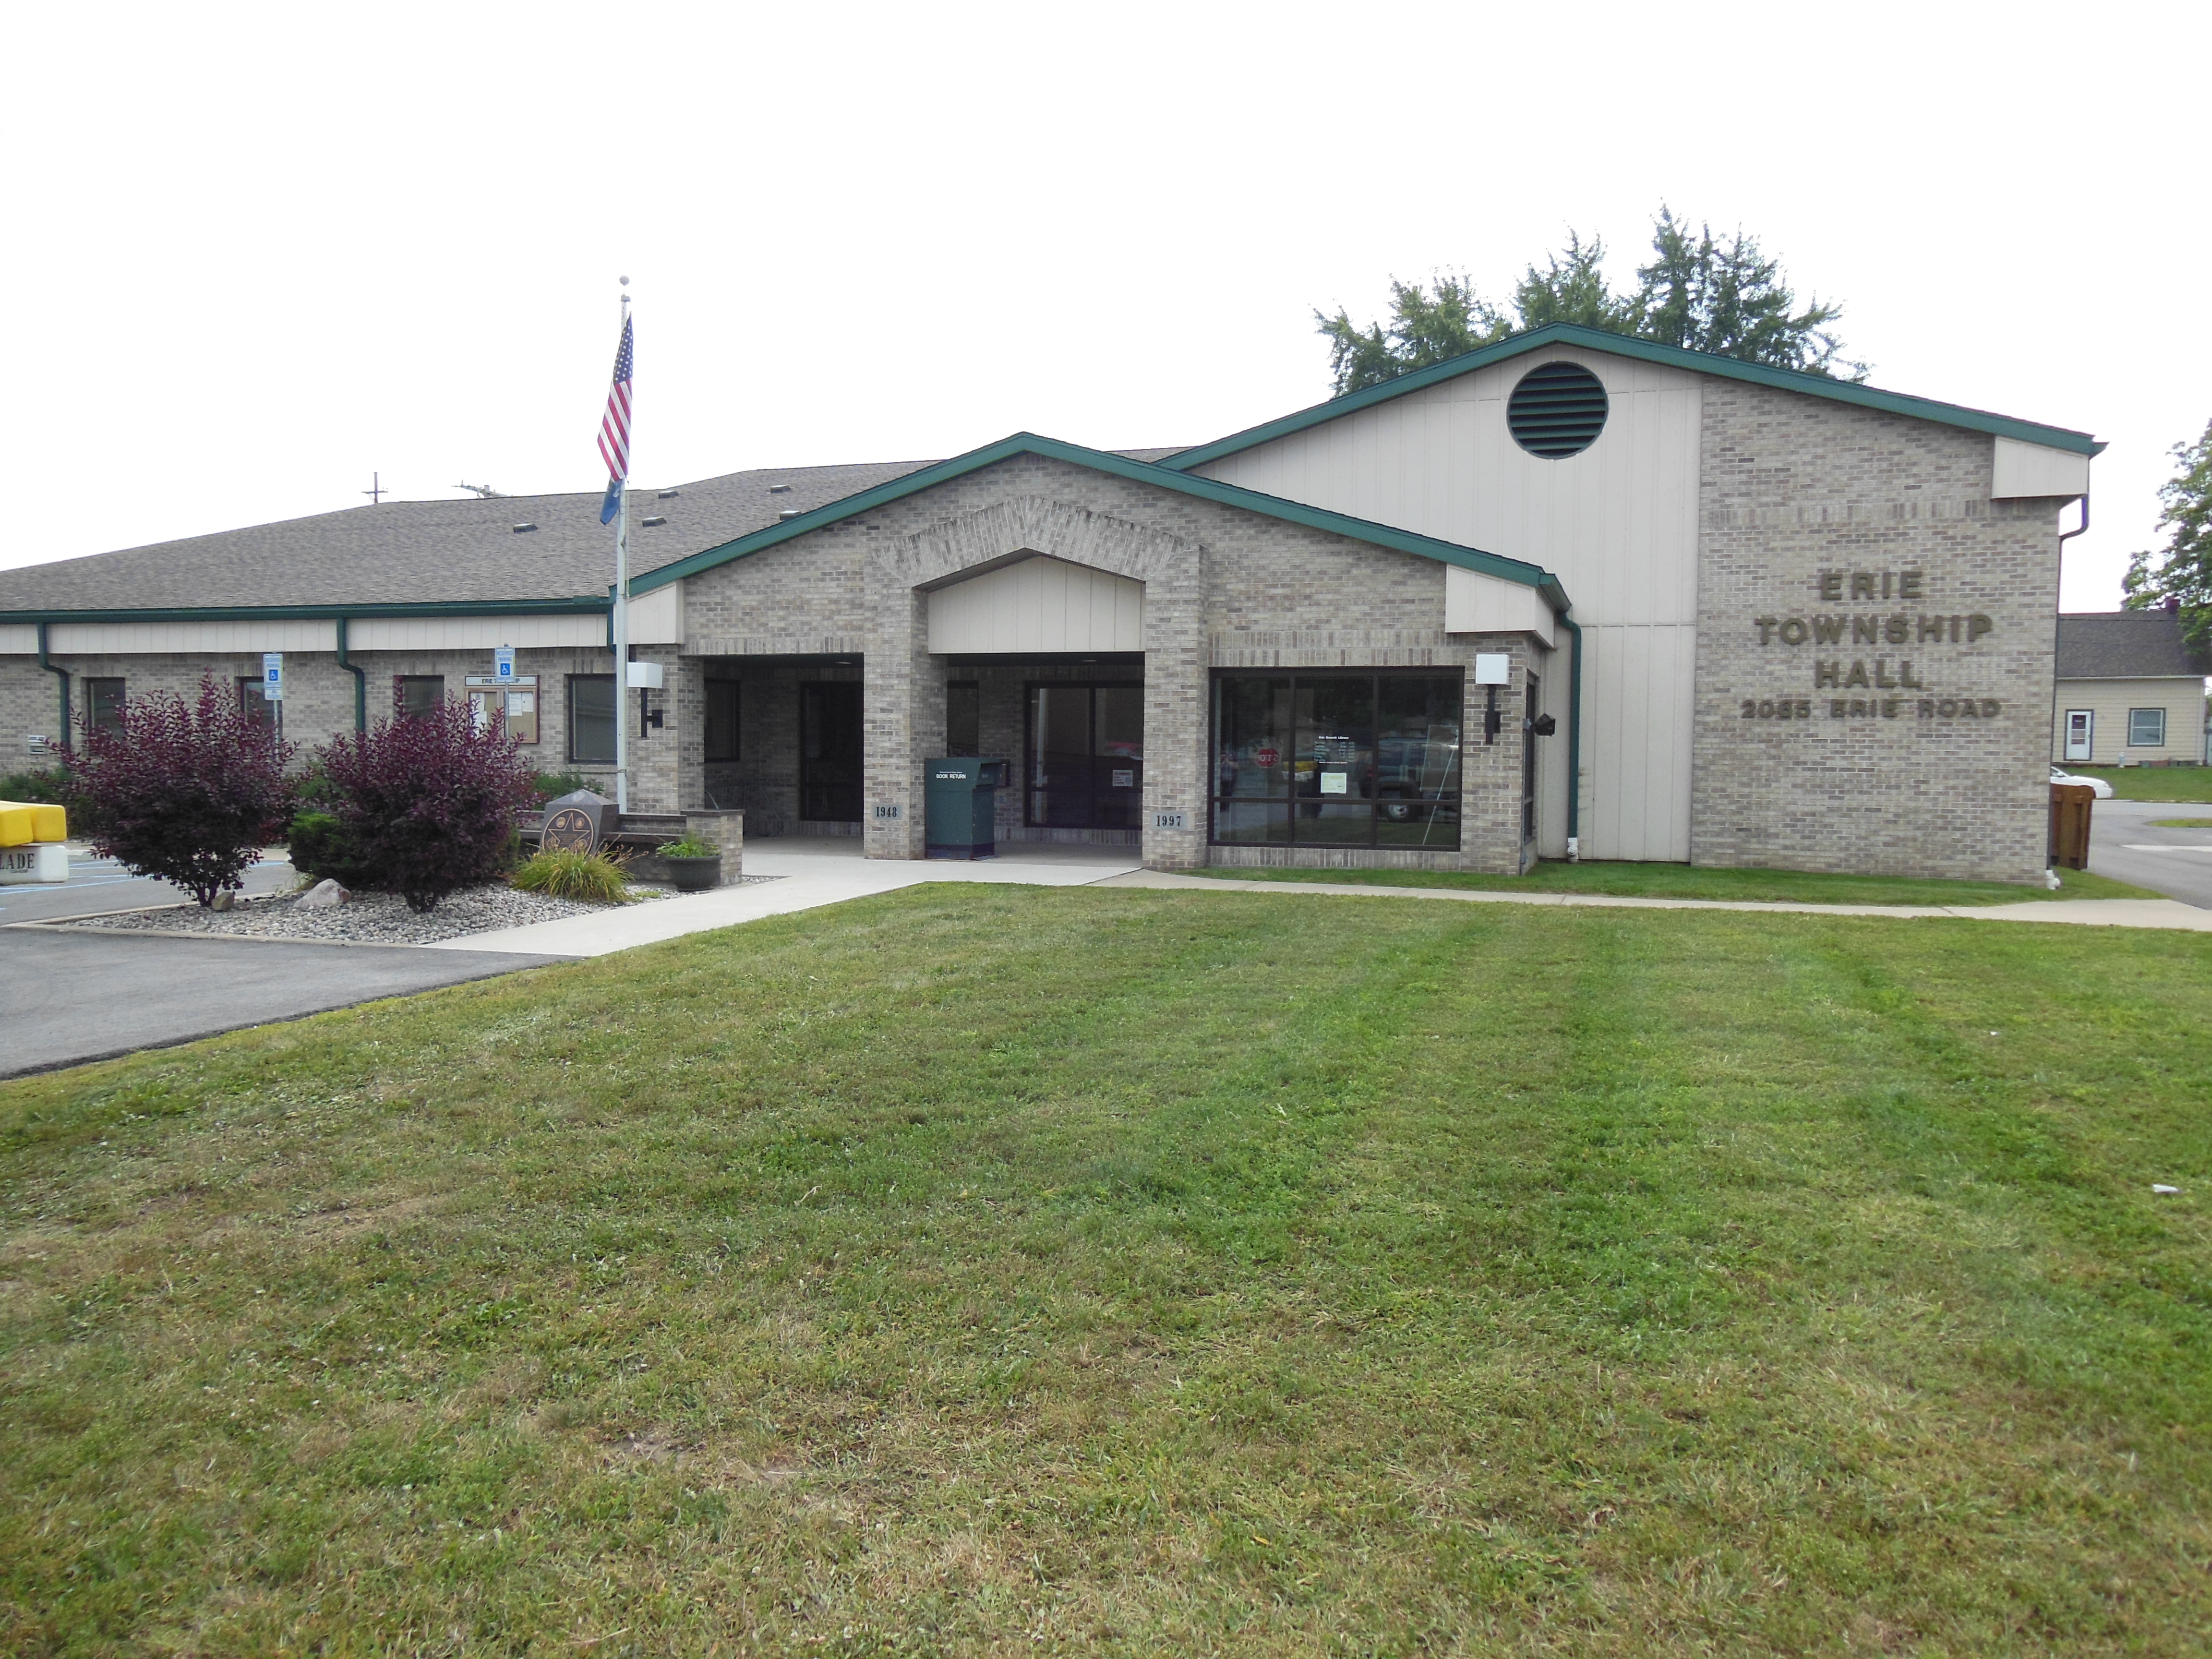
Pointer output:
x,y
1557,410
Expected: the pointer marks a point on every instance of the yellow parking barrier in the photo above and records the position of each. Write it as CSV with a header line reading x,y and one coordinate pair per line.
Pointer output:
x,y
22,823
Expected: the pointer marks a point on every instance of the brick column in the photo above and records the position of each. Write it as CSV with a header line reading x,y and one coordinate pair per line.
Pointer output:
x,y
659,781
1176,710
903,717
1490,773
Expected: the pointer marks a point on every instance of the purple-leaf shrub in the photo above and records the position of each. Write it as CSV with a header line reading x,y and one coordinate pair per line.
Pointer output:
x,y
429,801
190,792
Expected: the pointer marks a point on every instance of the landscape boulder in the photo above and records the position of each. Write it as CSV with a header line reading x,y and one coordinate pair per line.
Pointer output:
x,y
324,895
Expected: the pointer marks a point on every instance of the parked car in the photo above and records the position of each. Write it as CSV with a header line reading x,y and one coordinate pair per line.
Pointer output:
x,y
2103,790
1411,769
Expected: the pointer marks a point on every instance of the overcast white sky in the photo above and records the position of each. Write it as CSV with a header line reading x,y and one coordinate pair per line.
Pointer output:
x,y
260,252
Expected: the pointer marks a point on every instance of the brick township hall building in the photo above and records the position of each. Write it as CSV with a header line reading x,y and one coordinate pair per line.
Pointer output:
x,y
1570,591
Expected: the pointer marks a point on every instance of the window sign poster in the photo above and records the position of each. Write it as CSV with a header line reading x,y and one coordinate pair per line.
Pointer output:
x,y
1335,783
1125,780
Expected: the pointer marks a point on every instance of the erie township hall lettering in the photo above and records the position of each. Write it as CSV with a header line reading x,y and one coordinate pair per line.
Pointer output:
x,y
1929,633
1571,594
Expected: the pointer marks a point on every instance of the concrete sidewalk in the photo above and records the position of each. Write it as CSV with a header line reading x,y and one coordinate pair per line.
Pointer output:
x,y
812,872
2165,914
808,872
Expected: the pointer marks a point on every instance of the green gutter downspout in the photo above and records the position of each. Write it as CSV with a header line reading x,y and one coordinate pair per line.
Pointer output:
x,y
1574,741
61,674
360,680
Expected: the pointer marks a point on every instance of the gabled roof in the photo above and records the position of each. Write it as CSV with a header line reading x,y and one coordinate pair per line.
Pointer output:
x,y
1120,466
2126,645
1650,351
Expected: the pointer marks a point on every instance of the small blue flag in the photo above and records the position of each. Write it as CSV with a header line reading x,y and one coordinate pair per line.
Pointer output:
x,y
612,505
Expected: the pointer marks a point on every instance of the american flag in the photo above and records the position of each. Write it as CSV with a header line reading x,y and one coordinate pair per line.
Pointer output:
x,y
614,430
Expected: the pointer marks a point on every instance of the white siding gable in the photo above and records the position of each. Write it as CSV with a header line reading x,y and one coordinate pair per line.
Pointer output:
x,y
1038,605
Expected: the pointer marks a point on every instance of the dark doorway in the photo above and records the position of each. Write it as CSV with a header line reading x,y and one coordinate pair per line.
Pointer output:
x,y
830,751
1086,756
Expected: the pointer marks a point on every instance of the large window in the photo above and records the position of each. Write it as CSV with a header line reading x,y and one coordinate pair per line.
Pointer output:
x,y
416,695
1334,759
2146,728
1086,756
721,733
253,701
103,705
591,720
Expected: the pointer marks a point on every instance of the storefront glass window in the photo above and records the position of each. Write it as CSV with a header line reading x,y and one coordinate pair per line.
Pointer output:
x,y
1337,759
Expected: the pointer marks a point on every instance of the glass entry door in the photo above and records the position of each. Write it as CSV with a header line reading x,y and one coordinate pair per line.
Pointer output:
x,y
1086,756
830,752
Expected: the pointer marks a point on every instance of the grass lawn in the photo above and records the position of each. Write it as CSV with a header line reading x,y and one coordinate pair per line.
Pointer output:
x,y
1685,881
995,1270
2190,783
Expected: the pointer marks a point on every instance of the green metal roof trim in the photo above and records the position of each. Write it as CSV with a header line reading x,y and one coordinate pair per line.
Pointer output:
x,y
1650,351
1099,460
581,606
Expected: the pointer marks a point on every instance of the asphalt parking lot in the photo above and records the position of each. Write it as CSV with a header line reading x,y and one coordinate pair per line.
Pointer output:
x,y
2125,845
74,997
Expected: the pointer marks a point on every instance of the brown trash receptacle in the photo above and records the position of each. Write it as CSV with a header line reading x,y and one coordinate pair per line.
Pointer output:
x,y
2069,824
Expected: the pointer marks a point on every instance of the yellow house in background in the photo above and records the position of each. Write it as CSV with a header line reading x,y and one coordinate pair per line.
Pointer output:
x,y
2130,690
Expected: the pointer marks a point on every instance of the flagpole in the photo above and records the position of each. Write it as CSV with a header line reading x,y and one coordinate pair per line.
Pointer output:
x,y
621,622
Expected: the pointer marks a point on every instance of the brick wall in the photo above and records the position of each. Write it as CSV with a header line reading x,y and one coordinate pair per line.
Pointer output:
x,y
1875,643
318,695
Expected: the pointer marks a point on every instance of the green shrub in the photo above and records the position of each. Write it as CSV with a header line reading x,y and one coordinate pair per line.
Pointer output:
x,y
51,786
691,847
322,847
312,788
594,878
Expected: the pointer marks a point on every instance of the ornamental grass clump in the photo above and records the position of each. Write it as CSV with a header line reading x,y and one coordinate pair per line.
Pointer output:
x,y
189,792
426,802
593,878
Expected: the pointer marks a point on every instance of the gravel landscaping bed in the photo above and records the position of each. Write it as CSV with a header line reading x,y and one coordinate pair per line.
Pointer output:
x,y
367,918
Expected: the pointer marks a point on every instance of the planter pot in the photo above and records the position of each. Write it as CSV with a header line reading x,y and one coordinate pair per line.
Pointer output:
x,y
694,875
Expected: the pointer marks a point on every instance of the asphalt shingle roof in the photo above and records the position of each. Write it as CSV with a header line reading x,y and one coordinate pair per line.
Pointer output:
x,y
2125,645
434,552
